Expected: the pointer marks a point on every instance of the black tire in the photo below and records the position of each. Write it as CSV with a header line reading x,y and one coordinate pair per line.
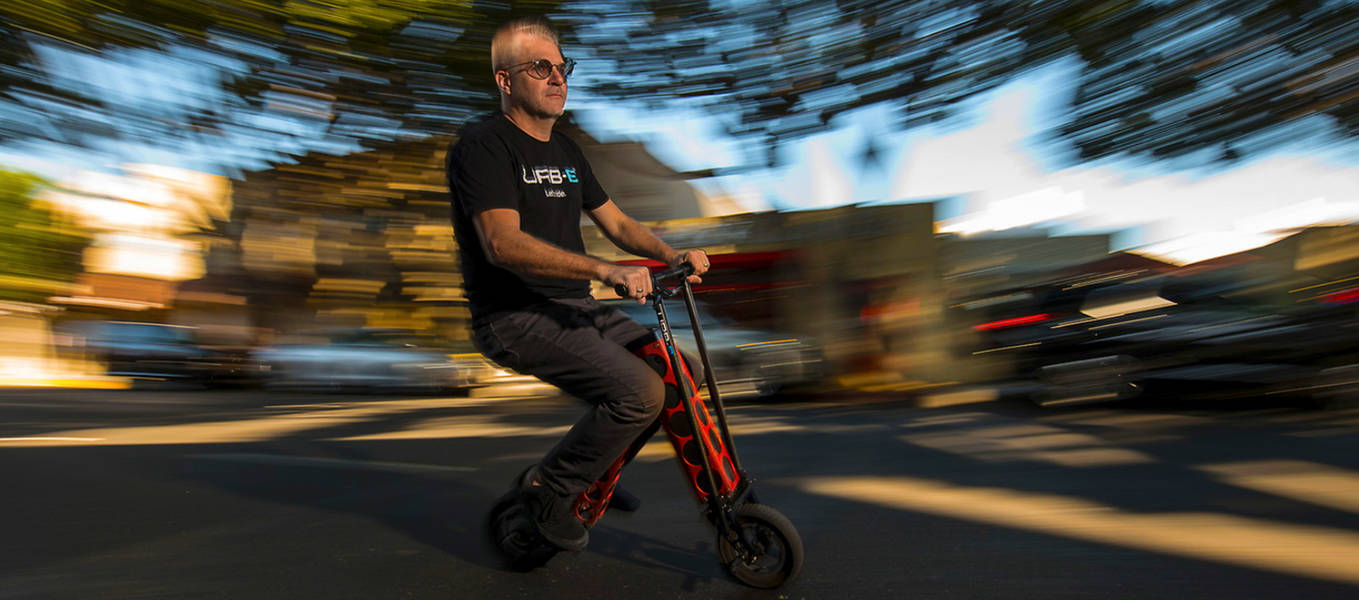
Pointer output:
x,y
515,536
774,549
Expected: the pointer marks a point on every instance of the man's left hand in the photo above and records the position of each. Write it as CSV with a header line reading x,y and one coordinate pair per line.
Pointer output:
x,y
698,259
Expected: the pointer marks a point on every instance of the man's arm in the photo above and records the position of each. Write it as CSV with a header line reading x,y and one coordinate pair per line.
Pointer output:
x,y
510,248
635,238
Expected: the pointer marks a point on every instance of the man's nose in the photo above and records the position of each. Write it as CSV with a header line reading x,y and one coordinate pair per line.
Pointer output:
x,y
556,76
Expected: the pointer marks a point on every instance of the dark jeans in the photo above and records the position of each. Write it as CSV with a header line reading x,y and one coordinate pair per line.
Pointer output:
x,y
577,344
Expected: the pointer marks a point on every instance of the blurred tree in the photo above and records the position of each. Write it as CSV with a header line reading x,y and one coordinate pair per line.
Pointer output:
x,y
1157,78
38,251
349,70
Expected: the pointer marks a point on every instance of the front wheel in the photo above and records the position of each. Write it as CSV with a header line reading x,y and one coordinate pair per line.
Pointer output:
x,y
767,550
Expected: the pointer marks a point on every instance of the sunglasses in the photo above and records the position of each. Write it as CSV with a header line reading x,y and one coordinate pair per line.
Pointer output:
x,y
542,68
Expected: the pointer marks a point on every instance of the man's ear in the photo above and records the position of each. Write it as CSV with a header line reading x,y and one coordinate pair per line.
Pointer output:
x,y
502,81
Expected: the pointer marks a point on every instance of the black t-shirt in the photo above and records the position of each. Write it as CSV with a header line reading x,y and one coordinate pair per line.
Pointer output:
x,y
494,164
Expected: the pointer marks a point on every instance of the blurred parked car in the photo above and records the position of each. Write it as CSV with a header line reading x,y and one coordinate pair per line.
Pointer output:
x,y
1024,326
1217,334
155,351
374,360
746,362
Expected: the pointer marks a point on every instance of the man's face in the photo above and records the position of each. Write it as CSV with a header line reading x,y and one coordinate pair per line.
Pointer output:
x,y
542,98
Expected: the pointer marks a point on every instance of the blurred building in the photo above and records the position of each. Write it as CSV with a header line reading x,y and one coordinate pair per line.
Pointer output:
x,y
155,232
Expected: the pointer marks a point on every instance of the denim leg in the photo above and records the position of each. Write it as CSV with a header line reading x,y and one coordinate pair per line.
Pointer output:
x,y
561,345
578,345
617,326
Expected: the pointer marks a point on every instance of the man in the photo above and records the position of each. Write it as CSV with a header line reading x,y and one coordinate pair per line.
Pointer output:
x,y
518,189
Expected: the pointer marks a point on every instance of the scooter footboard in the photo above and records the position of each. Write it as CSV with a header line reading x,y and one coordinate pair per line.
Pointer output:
x,y
675,420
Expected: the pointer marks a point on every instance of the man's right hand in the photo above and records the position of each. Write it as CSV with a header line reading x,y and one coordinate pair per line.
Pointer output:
x,y
636,279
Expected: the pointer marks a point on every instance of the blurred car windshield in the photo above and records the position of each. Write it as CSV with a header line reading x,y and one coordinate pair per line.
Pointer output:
x,y
145,333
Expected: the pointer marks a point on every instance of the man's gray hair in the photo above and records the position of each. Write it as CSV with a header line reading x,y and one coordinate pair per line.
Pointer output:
x,y
501,51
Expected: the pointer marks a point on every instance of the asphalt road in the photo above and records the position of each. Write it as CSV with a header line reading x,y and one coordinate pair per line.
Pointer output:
x,y
180,494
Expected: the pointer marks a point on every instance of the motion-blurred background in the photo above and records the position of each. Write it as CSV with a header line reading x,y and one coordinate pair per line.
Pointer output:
x,y
1095,196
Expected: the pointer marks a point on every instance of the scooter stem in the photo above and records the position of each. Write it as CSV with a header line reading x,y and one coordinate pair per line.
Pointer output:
x,y
710,466
713,395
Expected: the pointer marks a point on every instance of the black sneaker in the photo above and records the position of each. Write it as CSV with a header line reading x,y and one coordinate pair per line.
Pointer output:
x,y
555,518
624,500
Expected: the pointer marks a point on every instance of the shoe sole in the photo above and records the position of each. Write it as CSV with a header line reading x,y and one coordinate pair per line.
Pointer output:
x,y
569,545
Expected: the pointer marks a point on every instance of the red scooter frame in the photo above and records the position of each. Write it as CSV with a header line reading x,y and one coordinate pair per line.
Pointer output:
x,y
758,545
703,447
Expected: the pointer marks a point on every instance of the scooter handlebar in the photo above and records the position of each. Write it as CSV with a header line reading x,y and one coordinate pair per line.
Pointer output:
x,y
681,271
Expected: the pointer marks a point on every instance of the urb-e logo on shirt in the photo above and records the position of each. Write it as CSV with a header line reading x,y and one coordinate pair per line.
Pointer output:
x,y
551,175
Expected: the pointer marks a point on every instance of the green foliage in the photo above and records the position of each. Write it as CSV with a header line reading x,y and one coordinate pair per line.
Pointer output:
x,y
38,252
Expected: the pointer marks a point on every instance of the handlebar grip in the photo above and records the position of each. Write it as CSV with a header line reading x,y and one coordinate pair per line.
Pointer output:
x,y
683,270
680,271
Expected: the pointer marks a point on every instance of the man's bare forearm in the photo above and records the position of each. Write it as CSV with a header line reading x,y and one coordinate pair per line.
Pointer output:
x,y
528,255
635,238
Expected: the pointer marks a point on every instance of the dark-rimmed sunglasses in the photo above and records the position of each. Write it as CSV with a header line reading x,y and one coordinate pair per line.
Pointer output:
x,y
542,68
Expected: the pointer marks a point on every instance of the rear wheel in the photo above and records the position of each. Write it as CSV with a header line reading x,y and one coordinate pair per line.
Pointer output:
x,y
767,550
514,534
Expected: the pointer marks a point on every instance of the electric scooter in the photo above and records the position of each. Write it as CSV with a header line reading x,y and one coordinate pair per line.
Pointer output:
x,y
757,544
